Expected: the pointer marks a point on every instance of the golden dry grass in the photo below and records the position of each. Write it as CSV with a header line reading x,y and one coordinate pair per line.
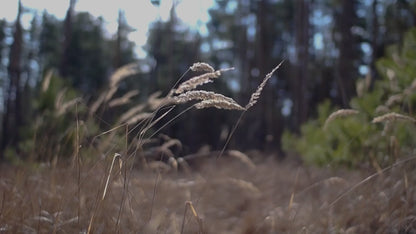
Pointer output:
x,y
217,196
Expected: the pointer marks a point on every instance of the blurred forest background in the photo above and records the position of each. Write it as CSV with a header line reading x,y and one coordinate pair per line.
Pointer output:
x,y
53,72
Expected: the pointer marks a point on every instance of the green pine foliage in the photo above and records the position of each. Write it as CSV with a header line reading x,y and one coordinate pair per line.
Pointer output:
x,y
356,141
53,128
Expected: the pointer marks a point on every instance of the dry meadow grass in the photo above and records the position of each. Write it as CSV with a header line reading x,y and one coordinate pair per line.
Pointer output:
x,y
226,195
200,193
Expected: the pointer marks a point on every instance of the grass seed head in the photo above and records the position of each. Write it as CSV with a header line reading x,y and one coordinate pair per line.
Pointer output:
x,y
201,95
197,81
256,95
219,104
392,116
338,114
202,67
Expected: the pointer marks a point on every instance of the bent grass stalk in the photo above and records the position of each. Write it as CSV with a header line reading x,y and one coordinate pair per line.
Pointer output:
x,y
339,114
116,155
253,100
188,205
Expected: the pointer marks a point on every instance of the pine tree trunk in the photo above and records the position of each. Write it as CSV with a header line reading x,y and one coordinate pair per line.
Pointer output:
x,y
347,56
63,69
12,117
299,85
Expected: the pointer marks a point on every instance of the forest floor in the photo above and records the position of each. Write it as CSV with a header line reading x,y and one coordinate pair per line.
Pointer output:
x,y
217,196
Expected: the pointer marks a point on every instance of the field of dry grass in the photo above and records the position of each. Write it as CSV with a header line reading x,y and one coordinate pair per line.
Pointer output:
x,y
216,196
200,193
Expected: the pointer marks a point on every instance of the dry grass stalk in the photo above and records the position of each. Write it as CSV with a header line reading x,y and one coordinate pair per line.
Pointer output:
x,y
92,219
245,185
335,180
338,114
154,121
173,163
202,67
94,107
60,98
141,116
392,116
409,90
47,80
382,109
110,93
184,165
131,112
119,75
165,152
67,105
195,214
219,104
154,101
397,98
255,96
124,99
159,166
242,157
355,186
388,126
116,156
122,73
197,81
171,143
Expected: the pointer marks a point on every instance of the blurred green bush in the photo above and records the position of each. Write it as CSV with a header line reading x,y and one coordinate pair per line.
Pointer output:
x,y
355,141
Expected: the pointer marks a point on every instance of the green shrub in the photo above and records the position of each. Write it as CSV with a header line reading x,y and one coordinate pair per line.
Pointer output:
x,y
356,141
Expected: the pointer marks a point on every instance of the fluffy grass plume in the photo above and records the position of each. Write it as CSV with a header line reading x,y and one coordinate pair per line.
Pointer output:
x,y
394,99
197,81
201,67
338,114
201,95
122,73
186,91
219,104
392,116
200,80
